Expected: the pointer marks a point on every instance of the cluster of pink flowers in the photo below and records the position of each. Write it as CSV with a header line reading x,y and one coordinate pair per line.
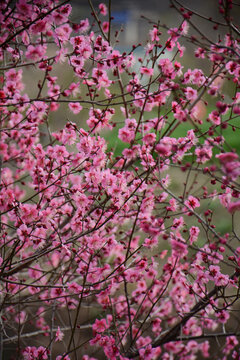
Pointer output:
x,y
132,231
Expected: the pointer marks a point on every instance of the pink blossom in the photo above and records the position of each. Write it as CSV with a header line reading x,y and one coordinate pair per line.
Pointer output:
x,y
83,26
234,206
148,353
150,242
24,8
115,211
170,43
61,14
29,353
192,202
173,205
146,71
214,117
103,9
174,32
219,278
178,223
59,335
167,68
222,107
194,232
205,348
35,52
179,113
21,317
178,68
230,166
100,326
127,133
181,49
222,280
200,53
149,138
236,110
179,247
154,34
40,26
105,26
191,94
23,232
227,157
75,107
204,153
42,353
231,66
184,27
231,342
63,32
223,316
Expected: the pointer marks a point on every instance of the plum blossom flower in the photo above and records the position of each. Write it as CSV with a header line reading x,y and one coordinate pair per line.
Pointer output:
x,y
178,223
63,32
100,326
215,275
29,353
59,335
41,353
179,247
222,316
127,133
154,34
24,8
149,138
234,206
200,53
184,27
204,153
103,9
83,26
194,232
23,232
214,117
181,49
151,242
173,205
231,342
40,26
191,94
75,107
230,165
149,353
21,317
61,14
146,71
192,202
167,68
105,26
231,66
227,157
35,53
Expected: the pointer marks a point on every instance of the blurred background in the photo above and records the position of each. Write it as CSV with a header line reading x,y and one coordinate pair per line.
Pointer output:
x,y
127,14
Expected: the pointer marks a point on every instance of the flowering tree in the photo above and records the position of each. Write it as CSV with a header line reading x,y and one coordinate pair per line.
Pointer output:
x,y
101,255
